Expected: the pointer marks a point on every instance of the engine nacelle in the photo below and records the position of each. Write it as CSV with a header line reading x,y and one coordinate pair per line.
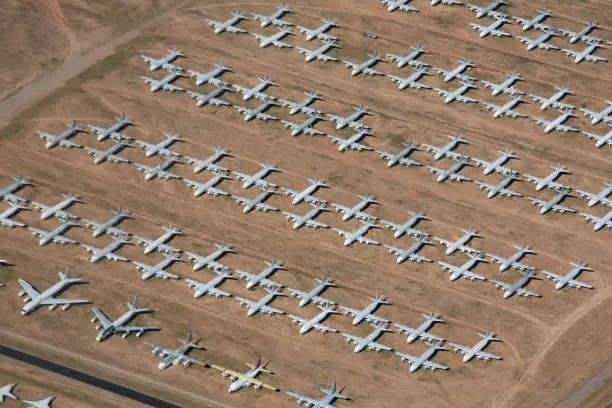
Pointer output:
x,y
139,334
124,335
66,306
348,341
52,307
225,374
26,299
22,293
94,319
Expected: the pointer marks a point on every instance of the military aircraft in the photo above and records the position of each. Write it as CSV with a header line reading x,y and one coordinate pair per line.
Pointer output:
x,y
211,76
557,123
209,187
57,210
179,355
506,85
369,342
55,235
159,270
517,287
482,11
304,105
402,5
352,119
326,402
457,94
274,18
308,218
320,31
151,172
110,154
366,66
513,260
108,226
586,54
43,403
600,222
412,80
367,312
401,157
7,392
457,72
161,147
408,227
306,126
210,261
165,83
316,322
464,270
352,143
274,39
248,380
313,295
500,188
601,197
497,165
357,210
35,299
163,62
451,173
256,203
211,98
582,34
505,110
262,305
228,25
257,90
121,122
109,251
440,152
411,252
411,58
569,279
420,332
209,163
261,279
258,112
5,216
549,181
61,139
596,117
424,360
358,235
257,179
535,22
493,28
477,351
446,2
554,100
600,140
159,244
319,53
119,326
540,41
553,204
210,288
7,193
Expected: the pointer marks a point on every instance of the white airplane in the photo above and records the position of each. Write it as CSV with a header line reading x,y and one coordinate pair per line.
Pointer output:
x,y
257,179
497,165
411,58
55,235
357,210
307,194
553,204
61,139
411,252
451,173
600,222
539,42
160,170
408,227
493,28
367,312
369,342
535,22
326,402
261,279
211,76
109,225
582,34
585,55
7,193
505,110
517,287
108,252
7,392
304,105
274,18
262,305
5,216
457,94
308,218
257,90
424,360
274,39
306,126
366,66
319,32
402,5
352,119
569,279
165,83
248,380
554,100
209,187
549,181
600,140
34,299
513,260
159,270
57,210
477,351
457,72
43,403
256,203
313,296
500,188
211,98
210,261
210,288
159,244
358,235
121,122
420,332
401,157
119,326
316,322
601,197
209,163
161,147
446,2
352,143
596,117
412,80
440,152
506,85
258,112
110,154
163,62
557,123
319,53
464,270
482,11
173,357
228,25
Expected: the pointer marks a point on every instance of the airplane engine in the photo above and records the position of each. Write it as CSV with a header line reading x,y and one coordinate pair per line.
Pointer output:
x,y
22,293
348,341
257,387
296,322
94,319
124,335
98,326
176,362
66,307
52,307
186,363
225,374
139,334
26,299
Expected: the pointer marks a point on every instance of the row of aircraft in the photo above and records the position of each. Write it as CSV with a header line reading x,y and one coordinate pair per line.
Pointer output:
x,y
7,392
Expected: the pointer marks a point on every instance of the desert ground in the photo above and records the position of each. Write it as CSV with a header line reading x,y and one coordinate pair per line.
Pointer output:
x,y
551,345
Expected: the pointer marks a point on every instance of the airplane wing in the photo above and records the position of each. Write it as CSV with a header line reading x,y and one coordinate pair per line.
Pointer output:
x,y
271,310
562,209
434,366
316,224
211,191
115,257
371,72
265,116
265,207
364,216
60,239
219,102
235,30
37,232
312,131
484,186
430,338
440,71
167,249
481,355
348,310
135,329
10,223
141,240
407,8
102,317
349,64
525,292
565,128
594,58
218,292
552,276
69,144
148,81
536,201
458,177
378,347
577,284
442,92
281,44
58,301
117,159
501,285
172,88
303,400
546,46
500,33
460,348
185,359
466,99
532,179
39,206
241,176
336,139
93,152
351,338
166,175
297,319
375,319
325,58
289,124
419,258
28,289
359,147
570,53
514,114
322,301
473,276
367,241
418,85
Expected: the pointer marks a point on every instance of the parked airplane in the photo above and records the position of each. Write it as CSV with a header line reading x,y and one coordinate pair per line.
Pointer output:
x,y
121,122
554,100
366,66
319,32
210,287
248,380
179,355
557,123
209,163
549,180
482,11
601,197
262,305
161,147
446,2
316,322
210,77
258,112
210,261
457,94
308,218
582,34
228,25
274,39
357,210
209,187
410,58
35,299
464,270
274,18
163,62
261,279
464,65
61,139
535,22
420,332
497,165
109,251
319,53
119,326
257,179
313,295
517,287
586,54
412,80
447,150
165,83
408,227
110,154
109,225
8,192
500,188
256,91
506,85
553,204
369,342
326,402
352,119
493,28
7,392
159,270
477,351
352,143
411,252
402,5
505,110
401,157
513,260
367,312
540,41
307,194
424,360
160,170
451,173
211,98
600,140
159,244
5,216
55,235
358,235
304,105
43,403
600,222
256,203
57,210
569,278
596,117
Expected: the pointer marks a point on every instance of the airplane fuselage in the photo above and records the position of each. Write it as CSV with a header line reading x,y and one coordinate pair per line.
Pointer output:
x,y
360,206
583,31
310,215
51,211
508,262
353,117
368,64
405,227
202,188
416,333
114,149
55,289
568,277
413,78
506,107
490,28
312,55
257,200
454,246
256,307
115,127
450,171
296,108
556,122
253,282
361,231
100,229
151,271
516,286
218,253
317,31
363,344
483,11
411,57
422,359
490,167
311,295
543,183
595,198
110,330
212,284
204,78
603,221
308,325
458,272
500,186
457,92
587,51
252,114
164,81
152,246
227,23
394,159
474,350
453,74
55,140
353,139
503,86
556,200
100,254
540,40
156,148
48,237
273,38
363,314
251,180
414,248
205,99
536,20
255,90
10,189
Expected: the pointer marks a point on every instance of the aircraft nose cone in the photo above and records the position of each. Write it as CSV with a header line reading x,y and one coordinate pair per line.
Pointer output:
x,y
543,211
465,359
303,330
490,195
558,286
413,368
507,295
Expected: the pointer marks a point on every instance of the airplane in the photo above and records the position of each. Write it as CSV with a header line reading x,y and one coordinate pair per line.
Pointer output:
x,y
352,119
109,251
408,227
557,123
258,178
497,165
119,326
569,278
457,94
164,62
210,261
517,287
500,188
358,234
5,216
477,351
110,154
357,210
464,65
308,218
228,25
274,18
319,32
306,126
585,55
553,204
420,332
274,39
319,53
7,193
600,222
464,270
159,244
461,244
451,173
366,66
539,42
424,360
402,5
43,403
506,85
57,210
34,299
258,112
601,197
61,139
535,22
179,355
160,170
596,117
505,110
582,34
549,180
447,149
248,380
121,122
316,322
313,295
410,253
553,101
211,76
304,105
482,11
493,28
261,279
55,235
109,225
211,98
352,143
601,140
7,392
161,147
367,312
513,260
446,2
410,58
257,90
369,342
256,203
401,157
209,163
326,402
262,305
158,270
165,83
209,187
210,287
411,81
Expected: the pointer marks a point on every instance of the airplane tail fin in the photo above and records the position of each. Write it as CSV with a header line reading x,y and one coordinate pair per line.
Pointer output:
x,y
74,197
560,168
489,335
419,48
75,127
222,66
369,198
225,246
222,151
267,80
380,299
270,166
22,180
472,231
176,52
525,248
124,119
122,213
311,93
318,181
434,317
581,264
327,281
65,276
275,263
261,365
173,229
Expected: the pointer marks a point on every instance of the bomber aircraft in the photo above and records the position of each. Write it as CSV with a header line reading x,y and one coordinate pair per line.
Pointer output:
x,y
327,401
107,327
420,332
109,226
62,139
210,288
228,25
108,252
159,244
518,287
179,355
401,157
320,31
35,299
424,360
369,342
569,278
316,322
477,351
121,122
366,314
313,296
247,380
163,62
411,58
464,270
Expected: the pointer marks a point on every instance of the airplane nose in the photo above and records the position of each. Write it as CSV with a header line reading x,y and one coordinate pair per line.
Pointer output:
x,y
558,286
507,295
413,369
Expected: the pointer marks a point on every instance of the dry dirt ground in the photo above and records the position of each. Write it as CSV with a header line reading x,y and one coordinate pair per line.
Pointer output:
x,y
551,345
